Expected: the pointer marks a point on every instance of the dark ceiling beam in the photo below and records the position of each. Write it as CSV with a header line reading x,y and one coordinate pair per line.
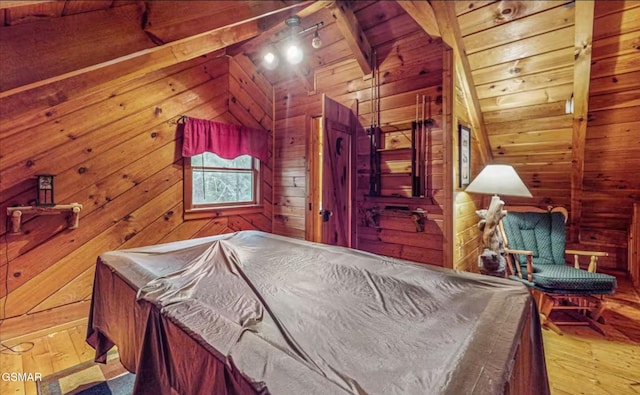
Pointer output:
x,y
450,30
584,16
353,34
423,14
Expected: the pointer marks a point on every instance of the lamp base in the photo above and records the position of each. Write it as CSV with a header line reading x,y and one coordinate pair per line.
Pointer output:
x,y
492,263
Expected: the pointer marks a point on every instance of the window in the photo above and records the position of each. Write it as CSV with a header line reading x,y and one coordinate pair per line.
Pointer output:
x,y
226,186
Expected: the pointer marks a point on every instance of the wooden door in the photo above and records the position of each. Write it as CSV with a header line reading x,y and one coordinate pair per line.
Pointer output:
x,y
337,173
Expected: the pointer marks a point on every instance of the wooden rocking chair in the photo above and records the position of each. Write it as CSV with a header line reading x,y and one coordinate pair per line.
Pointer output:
x,y
534,241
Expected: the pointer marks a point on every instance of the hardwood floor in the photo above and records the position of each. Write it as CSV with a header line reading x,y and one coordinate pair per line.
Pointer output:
x,y
581,361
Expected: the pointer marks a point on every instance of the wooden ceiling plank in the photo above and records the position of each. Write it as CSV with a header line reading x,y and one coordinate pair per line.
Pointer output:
x,y
463,7
529,98
174,52
630,98
22,3
623,44
448,27
507,32
170,21
127,67
503,12
55,46
34,12
530,46
524,113
582,73
78,7
395,28
532,82
561,137
371,17
353,34
422,13
538,125
525,66
618,23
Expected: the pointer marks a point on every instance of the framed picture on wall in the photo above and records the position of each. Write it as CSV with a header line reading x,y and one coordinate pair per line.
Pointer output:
x,y
464,139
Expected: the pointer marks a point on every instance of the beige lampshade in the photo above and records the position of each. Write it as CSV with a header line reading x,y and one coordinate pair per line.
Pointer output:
x,y
499,180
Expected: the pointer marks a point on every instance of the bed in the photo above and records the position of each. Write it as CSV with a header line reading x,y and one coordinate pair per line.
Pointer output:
x,y
252,312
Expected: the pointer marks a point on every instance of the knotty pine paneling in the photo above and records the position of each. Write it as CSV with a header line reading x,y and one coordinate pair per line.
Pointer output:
x,y
410,65
522,63
467,245
118,154
610,185
61,45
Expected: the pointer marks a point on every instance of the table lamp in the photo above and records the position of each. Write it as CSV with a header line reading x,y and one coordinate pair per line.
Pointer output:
x,y
495,180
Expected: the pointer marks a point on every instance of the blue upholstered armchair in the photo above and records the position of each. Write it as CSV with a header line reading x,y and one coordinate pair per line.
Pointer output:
x,y
535,242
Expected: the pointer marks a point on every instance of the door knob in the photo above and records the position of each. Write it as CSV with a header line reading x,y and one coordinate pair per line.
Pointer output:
x,y
325,215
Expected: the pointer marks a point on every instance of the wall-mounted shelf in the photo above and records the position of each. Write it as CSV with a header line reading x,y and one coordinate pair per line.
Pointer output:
x,y
15,213
372,216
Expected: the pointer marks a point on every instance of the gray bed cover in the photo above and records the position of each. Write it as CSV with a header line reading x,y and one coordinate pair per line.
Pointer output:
x,y
306,318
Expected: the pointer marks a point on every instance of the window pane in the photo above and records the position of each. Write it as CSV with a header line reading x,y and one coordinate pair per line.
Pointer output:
x,y
213,160
215,187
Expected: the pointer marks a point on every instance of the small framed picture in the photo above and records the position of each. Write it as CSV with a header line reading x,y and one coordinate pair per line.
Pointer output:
x,y
464,139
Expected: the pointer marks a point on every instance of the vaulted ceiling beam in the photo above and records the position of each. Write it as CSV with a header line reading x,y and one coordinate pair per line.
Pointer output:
x,y
450,30
20,3
423,14
127,67
353,34
584,15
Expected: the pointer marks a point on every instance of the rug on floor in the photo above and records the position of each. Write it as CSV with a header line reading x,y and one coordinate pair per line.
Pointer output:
x,y
90,378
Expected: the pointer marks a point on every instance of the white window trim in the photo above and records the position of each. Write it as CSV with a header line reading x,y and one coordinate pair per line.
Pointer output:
x,y
198,211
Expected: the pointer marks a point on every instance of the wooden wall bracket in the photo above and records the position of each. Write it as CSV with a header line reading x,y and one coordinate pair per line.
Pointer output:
x,y
15,213
372,216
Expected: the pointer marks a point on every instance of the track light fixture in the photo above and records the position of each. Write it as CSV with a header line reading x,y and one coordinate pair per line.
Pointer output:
x,y
290,44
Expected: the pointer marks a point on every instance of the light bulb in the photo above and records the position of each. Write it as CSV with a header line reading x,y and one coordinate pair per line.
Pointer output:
x,y
315,41
270,61
269,57
294,54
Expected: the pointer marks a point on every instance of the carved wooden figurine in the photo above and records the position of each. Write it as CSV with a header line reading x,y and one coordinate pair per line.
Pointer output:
x,y
492,261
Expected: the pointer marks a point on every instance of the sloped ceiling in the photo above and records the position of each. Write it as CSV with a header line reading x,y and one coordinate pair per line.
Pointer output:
x,y
522,63
550,85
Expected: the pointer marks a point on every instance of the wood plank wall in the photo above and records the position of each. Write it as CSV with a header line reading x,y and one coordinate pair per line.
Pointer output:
x,y
416,68
115,150
634,247
467,237
611,186
410,66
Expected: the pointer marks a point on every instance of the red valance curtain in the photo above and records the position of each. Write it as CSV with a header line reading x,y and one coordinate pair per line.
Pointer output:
x,y
224,140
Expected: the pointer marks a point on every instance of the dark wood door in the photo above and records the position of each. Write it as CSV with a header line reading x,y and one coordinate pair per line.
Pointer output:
x,y
337,173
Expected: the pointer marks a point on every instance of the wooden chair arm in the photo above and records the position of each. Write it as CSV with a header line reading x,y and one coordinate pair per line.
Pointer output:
x,y
593,263
529,255
588,253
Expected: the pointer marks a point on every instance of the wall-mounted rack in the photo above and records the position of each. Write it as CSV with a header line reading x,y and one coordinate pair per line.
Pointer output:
x,y
15,213
372,216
